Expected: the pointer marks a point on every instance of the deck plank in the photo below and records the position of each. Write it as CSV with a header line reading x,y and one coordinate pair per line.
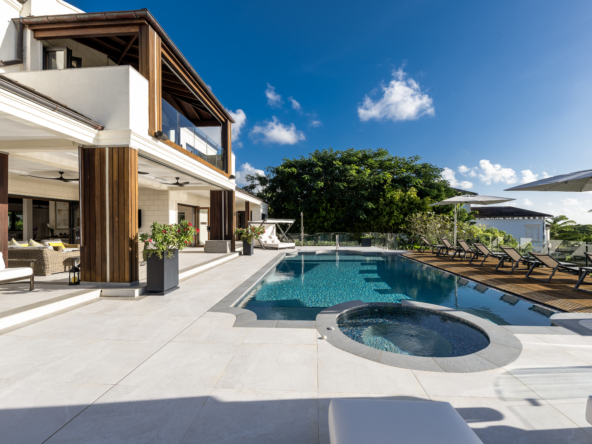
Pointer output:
x,y
558,293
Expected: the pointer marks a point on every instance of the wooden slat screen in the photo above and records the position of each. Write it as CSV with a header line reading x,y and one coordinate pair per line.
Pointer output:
x,y
109,225
216,206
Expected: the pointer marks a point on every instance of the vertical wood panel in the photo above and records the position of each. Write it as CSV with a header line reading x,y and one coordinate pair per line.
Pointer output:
x,y
216,215
150,48
4,207
227,144
230,219
115,211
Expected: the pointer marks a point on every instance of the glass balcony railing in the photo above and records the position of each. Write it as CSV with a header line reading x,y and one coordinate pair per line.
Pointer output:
x,y
185,134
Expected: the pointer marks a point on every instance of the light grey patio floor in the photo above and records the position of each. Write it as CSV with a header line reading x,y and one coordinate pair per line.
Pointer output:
x,y
163,369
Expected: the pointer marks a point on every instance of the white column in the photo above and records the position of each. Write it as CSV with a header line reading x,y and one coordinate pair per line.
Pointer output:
x,y
27,219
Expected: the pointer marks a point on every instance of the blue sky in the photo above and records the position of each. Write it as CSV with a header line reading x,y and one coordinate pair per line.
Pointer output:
x,y
496,92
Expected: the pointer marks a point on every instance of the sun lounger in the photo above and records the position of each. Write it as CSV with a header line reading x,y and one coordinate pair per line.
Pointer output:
x,y
482,250
516,259
374,421
427,244
554,265
464,250
584,271
448,247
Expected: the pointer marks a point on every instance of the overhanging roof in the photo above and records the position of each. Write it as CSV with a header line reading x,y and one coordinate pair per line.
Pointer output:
x,y
144,14
495,212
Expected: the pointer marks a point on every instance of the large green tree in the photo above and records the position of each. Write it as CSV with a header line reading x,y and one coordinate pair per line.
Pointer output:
x,y
351,190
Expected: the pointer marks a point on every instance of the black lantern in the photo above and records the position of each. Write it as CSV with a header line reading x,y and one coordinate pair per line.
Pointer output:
x,y
74,274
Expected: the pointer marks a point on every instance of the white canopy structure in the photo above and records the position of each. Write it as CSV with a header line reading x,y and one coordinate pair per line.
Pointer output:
x,y
578,182
270,238
478,200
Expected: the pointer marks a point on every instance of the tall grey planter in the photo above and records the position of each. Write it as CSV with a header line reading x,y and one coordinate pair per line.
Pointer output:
x,y
163,273
248,249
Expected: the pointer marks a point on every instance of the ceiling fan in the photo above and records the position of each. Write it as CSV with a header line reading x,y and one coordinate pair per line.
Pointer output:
x,y
61,178
177,183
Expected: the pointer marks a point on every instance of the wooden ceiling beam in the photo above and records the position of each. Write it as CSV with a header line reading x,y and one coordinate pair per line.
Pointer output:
x,y
128,46
113,49
101,31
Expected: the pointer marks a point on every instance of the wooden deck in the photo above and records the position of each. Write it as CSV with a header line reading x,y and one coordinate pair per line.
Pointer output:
x,y
558,293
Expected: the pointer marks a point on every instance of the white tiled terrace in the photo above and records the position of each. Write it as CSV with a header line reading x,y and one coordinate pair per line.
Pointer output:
x,y
163,369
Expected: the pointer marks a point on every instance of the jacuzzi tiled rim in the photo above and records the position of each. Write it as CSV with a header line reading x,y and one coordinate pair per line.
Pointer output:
x,y
503,348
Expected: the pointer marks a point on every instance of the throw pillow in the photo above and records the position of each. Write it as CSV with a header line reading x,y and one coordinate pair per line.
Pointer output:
x,y
32,243
58,247
14,243
56,244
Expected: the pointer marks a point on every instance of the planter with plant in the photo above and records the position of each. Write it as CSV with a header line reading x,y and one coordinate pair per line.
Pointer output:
x,y
366,240
247,235
161,252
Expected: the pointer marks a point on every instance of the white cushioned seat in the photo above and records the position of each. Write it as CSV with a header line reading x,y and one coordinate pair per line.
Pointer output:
x,y
15,273
373,421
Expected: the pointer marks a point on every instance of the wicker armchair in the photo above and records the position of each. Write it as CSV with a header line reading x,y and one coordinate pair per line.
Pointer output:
x,y
47,261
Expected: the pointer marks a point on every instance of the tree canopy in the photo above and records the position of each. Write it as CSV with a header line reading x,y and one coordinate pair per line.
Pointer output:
x,y
351,190
563,228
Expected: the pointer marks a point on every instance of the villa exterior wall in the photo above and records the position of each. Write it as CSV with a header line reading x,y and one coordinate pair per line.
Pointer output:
x,y
154,205
9,10
519,228
114,96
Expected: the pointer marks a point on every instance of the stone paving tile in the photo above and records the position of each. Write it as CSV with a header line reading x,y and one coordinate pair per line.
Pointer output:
x,y
255,417
272,367
130,414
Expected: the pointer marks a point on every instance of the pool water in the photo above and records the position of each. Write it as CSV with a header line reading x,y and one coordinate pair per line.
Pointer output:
x,y
411,331
301,286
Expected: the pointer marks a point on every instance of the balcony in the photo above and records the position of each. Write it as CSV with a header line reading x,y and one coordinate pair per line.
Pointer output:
x,y
185,134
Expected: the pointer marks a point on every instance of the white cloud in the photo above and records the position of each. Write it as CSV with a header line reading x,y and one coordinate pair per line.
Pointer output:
x,y
571,201
465,170
295,104
274,131
316,123
528,176
450,176
528,202
273,99
545,175
240,118
247,169
402,99
495,173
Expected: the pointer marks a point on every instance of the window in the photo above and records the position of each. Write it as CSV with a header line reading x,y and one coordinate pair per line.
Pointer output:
x,y
60,58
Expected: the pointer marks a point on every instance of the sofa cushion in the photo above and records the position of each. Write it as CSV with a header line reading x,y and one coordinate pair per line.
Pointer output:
x,y
15,273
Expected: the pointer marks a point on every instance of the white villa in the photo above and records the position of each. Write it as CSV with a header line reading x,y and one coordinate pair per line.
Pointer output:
x,y
106,127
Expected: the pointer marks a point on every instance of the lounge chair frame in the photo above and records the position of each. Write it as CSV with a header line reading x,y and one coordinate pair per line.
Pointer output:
x,y
516,259
427,244
584,271
464,249
482,250
552,263
448,247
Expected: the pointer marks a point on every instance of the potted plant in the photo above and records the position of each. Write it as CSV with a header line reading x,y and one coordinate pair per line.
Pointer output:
x,y
161,252
247,235
366,240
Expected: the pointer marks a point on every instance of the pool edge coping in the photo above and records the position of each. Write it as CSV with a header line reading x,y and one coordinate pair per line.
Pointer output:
x,y
503,349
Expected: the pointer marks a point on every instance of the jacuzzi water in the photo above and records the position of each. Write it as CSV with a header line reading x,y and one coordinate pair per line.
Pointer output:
x,y
301,286
411,331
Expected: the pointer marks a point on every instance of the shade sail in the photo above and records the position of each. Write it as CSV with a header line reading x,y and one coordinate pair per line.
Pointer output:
x,y
272,221
578,182
477,200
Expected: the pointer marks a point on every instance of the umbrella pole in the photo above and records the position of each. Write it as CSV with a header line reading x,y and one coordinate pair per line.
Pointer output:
x,y
455,207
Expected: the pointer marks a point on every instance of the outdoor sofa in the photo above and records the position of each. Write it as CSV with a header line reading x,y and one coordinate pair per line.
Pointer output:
x,y
17,273
47,260
374,421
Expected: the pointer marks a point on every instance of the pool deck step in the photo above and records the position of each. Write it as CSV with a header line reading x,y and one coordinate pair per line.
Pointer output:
x,y
30,312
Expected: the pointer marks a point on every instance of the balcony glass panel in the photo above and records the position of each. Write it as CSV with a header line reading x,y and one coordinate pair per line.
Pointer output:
x,y
185,134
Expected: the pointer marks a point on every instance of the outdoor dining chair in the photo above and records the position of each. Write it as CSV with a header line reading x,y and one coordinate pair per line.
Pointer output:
x,y
482,250
516,259
448,247
554,265
427,244
464,250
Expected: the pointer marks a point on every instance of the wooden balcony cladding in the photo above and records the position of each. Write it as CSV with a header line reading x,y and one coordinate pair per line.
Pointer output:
x,y
109,214
151,68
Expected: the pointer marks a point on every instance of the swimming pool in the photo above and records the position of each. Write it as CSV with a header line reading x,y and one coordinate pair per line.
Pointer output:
x,y
301,286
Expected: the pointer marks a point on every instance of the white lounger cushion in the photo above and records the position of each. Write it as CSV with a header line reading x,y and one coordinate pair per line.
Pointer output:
x,y
374,421
15,273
